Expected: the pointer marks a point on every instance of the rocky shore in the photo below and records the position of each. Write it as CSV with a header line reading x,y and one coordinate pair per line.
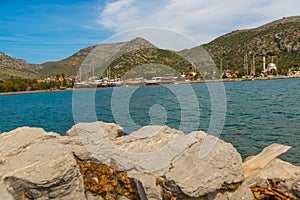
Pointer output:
x,y
96,161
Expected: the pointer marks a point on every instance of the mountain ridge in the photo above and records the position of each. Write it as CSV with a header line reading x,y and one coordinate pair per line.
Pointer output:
x,y
278,40
12,67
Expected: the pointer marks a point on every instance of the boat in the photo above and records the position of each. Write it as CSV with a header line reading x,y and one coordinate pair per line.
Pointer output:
x,y
82,85
116,82
62,88
153,81
168,80
94,83
135,82
104,84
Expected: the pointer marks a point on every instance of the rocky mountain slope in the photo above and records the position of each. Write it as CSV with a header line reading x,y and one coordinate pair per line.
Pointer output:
x,y
16,67
150,62
68,66
100,55
278,40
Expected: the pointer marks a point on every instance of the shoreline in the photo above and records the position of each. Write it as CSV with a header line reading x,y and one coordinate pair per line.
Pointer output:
x,y
177,83
30,92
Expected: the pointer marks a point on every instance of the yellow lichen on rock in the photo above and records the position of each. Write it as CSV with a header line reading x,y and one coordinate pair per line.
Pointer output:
x,y
106,181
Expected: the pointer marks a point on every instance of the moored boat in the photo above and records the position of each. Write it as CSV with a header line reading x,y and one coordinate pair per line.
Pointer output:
x,y
153,81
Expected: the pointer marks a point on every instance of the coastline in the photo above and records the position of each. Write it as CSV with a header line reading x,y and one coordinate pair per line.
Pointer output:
x,y
179,82
30,92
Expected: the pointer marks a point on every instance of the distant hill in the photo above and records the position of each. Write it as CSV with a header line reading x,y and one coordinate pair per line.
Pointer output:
x,y
104,55
69,66
121,57
278,40
12,67
150,62
100,54
200,58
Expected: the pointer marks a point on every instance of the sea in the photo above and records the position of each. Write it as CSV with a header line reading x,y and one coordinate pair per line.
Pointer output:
x,y
249,114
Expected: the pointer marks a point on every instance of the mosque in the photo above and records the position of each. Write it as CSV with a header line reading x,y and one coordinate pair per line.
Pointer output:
x,y
271,67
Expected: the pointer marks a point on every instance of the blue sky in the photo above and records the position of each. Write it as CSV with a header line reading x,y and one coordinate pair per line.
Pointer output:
x,y
44,30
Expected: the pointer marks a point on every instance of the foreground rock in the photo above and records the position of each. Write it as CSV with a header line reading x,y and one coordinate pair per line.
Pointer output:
x,y
279,176
170,160
34,165
95,162
268,176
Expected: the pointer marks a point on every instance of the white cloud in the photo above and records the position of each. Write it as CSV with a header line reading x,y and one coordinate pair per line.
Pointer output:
x,y
118,12
200,19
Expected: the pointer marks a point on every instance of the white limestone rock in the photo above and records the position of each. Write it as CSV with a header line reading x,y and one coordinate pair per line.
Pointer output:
x,y
35,164
43,165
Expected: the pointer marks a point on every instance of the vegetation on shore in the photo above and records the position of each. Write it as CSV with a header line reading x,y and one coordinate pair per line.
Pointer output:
x,y
21,84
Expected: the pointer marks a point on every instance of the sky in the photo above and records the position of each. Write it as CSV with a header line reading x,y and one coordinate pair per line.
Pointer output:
x,y
44,30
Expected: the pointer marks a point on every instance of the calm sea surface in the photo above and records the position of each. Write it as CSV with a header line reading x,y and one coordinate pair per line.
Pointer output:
x,y
258,113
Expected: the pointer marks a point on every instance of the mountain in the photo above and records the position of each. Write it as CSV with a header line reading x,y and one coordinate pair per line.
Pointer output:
x,y
69,66
12,67
100,54
278,40
102,57
199,57
149,62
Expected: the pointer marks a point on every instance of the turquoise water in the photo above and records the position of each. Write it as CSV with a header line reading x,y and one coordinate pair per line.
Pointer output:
x,y
258,113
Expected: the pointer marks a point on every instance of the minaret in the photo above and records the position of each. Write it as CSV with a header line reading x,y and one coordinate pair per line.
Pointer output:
x,y
93,72
79,74
221,68
272,59
264,62
246,65
253,65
